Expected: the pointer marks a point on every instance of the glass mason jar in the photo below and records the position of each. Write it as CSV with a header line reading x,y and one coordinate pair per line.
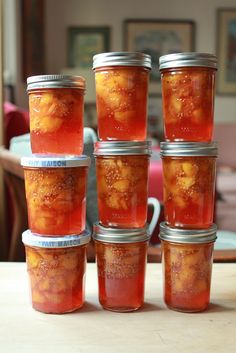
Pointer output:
x,y
121,256
122,182
188,93
56,269
55,190
121,80
187,257
56,107
189,173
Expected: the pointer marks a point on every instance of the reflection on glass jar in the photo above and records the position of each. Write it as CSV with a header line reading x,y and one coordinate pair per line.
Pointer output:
x,y
56,107
121,95
56,196
188,92
121,265
189,185
187,269
56,269
122,185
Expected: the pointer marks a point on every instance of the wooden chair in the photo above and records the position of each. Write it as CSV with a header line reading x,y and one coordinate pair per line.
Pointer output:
x,y
15,187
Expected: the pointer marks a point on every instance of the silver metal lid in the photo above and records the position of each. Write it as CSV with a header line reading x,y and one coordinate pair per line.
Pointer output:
x,y
122,59
55,81
188,149
118,235
31,239
187,60
188,236
122,148
55,161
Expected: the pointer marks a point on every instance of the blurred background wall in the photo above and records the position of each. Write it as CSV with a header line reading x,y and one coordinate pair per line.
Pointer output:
x,y
59,15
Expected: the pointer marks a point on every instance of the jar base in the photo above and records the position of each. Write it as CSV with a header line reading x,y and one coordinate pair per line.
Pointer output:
x,y
121,309
187,311
53,312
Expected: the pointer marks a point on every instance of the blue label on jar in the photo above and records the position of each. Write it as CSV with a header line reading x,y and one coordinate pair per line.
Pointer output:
x,y
53,163
60,244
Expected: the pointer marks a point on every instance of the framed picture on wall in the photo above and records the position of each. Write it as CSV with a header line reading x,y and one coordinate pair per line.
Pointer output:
x,y
157,38
226,51
84,43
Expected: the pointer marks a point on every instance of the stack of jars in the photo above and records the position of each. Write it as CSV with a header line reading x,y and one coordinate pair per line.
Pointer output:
x,y
122,163
55,185
189,160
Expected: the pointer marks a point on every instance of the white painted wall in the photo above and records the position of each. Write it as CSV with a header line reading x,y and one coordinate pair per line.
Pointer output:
x,y
61,14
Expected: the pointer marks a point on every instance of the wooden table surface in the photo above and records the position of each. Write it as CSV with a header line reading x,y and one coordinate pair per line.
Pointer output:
x,y
92,329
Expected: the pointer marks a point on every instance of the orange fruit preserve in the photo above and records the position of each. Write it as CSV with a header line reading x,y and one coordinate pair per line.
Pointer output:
x,y
189,190
122,103
187,275
188,103
56,200
56,107
55,189
121,275
56,278
122,183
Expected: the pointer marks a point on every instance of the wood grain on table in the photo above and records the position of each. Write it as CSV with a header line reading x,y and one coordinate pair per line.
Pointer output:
x,y
92,329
